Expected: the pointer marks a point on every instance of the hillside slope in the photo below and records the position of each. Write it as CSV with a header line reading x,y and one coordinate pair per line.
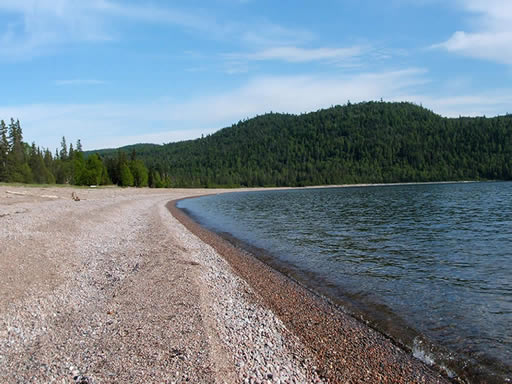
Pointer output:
x,y
370,142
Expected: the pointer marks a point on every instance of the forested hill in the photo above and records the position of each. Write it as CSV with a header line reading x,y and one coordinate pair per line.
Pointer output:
x,y
142,149
372,142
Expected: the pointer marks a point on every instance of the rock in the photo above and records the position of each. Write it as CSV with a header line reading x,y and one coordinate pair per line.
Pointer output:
x,y
82,380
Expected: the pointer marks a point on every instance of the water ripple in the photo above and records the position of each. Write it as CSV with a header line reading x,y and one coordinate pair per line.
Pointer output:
x,y
437,256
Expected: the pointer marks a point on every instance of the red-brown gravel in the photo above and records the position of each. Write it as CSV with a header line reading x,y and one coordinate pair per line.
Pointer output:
x,y
347,350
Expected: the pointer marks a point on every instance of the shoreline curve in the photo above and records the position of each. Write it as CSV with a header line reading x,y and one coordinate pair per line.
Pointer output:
x,y
346,349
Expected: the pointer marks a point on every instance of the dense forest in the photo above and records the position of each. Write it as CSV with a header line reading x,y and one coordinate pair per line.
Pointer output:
x,y
371,142
23,163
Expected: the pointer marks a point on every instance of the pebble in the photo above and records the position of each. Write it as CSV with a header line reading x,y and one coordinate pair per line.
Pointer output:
x,y
139,298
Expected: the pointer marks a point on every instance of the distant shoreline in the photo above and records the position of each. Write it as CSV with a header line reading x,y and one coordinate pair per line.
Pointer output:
x,y
402,183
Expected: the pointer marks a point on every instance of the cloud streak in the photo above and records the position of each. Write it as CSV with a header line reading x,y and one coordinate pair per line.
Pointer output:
x,y
114,124
492,38
37,27
294,54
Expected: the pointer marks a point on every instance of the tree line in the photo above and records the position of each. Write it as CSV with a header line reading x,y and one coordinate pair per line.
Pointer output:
x,y
24,163
370,142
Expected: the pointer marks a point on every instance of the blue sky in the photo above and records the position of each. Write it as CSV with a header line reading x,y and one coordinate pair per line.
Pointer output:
x,y
117,72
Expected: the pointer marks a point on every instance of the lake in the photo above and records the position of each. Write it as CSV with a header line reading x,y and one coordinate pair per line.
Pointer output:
x,y
428,264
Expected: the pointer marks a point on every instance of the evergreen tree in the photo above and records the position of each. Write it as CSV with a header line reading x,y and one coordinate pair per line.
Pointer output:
x,y
63,154
4,150
126,177
155,180
17,168
93,171
16,141
139,172
79,146
63,170
79,175
48,159
40,173
105,178
111,165
125,172
71,151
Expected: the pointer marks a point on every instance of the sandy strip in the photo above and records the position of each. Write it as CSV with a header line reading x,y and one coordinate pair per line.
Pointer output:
x,y
113,288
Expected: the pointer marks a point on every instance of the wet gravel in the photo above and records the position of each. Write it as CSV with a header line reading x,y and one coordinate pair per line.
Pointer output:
x,y
113,288
343,349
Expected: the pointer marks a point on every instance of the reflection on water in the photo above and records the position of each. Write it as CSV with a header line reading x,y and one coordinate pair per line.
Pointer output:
x,y
429,261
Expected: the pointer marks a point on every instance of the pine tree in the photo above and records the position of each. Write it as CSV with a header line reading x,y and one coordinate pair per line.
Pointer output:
x,y
16,140
48,159
40,173
4,150
121,160
78,171
155,181
93,171
63,154
17,169
105,179
126,176
71,151
139,172
78,146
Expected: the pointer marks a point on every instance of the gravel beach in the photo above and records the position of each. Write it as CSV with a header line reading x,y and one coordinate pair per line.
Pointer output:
x,y
115,288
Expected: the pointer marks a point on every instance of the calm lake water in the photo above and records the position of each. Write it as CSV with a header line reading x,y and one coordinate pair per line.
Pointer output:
x,y
430,265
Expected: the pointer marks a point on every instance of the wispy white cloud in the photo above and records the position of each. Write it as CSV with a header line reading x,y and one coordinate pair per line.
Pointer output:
x,y
299,55
487,103
113,124
492,37
353,57
236,66
40,25
297,94
37,25
265,34
195,20
79,82
158,121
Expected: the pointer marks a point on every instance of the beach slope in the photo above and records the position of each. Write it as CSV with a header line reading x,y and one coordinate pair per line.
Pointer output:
x,y
114,288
